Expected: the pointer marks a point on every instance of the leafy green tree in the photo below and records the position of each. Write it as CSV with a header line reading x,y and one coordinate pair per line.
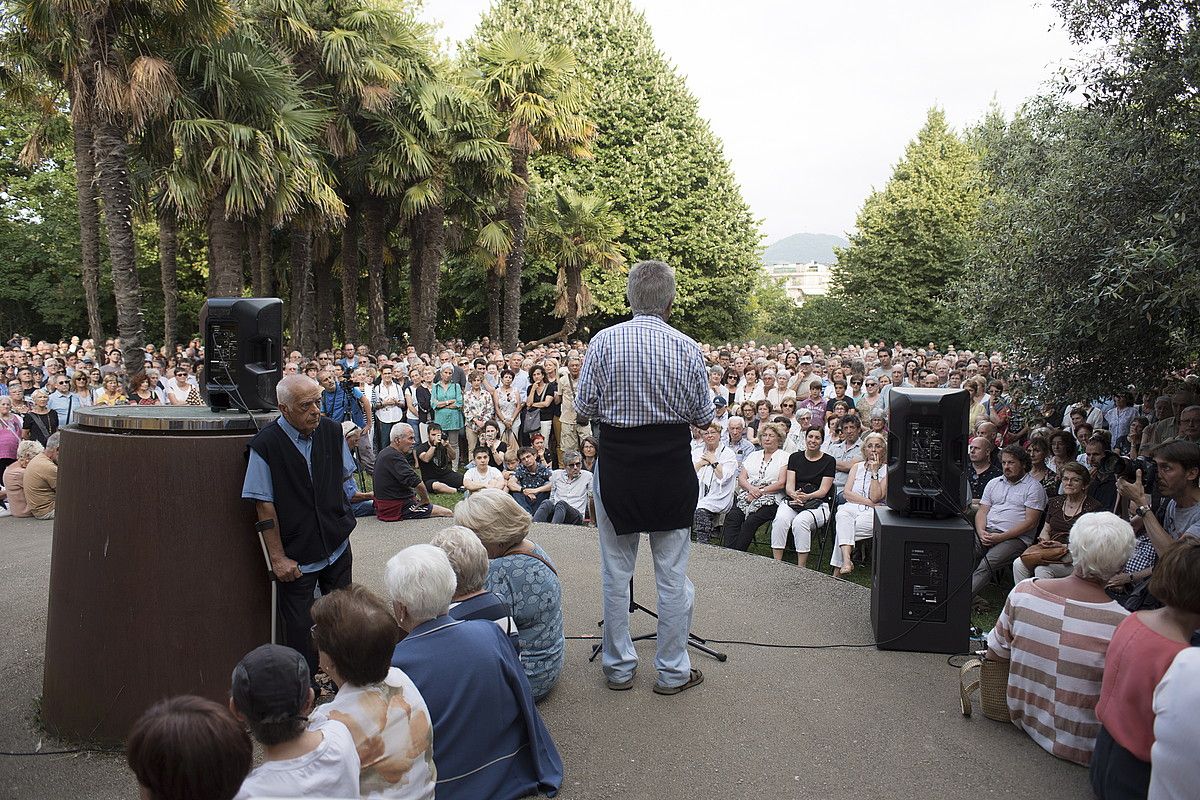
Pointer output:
x,y
1087,260
912,241
655,159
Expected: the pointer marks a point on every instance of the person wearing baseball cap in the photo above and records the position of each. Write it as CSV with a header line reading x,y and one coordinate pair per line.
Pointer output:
x,y
272,694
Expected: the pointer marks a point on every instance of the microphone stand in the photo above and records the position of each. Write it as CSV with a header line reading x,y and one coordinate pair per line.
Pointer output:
x,y
692,641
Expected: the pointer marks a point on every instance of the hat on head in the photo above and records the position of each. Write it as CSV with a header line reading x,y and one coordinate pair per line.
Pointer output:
x,y
806,360
348,428
270,684
720,402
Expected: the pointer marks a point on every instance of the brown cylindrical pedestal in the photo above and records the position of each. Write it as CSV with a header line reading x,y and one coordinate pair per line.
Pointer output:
x,y
158,584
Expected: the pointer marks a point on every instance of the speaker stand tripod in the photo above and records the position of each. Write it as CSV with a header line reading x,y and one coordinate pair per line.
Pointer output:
x,y
692,641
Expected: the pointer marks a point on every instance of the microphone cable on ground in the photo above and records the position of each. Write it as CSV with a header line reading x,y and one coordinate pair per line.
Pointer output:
x,y
783,646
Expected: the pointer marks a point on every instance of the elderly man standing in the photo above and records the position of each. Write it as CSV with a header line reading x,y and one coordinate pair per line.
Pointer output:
x,y
645,482
572,426
296,470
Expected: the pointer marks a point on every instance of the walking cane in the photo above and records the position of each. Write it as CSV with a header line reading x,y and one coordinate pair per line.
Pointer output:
x,y
261,526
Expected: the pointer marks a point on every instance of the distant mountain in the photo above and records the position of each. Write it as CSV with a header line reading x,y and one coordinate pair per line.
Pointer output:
x,y
801,248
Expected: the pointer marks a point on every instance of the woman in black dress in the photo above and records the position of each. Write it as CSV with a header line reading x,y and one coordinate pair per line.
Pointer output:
x,y
808,483
41,420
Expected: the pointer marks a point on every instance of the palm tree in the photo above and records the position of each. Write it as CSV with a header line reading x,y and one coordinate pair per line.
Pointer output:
x,y
35,66
361,56
538,95
579,231
121,82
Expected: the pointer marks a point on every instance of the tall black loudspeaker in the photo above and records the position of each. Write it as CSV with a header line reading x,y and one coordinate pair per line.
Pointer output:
x,y
243,351
927,451
921,583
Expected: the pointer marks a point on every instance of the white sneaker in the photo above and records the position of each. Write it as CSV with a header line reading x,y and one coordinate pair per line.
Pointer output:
x,y
4,512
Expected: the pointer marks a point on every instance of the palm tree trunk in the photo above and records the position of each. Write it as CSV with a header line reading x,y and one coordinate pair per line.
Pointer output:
x,y
414,280
254,256
112,167
89,216
494,298
573,285
225,249
350,270
518,196
301,276
168,250
323,282
375,223
262,232
116,191
430,252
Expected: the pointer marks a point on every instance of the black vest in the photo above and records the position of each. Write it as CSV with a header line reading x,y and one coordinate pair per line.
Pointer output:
x,y
314,514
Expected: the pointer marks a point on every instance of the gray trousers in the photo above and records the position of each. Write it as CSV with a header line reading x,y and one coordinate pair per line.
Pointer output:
x,y
993,558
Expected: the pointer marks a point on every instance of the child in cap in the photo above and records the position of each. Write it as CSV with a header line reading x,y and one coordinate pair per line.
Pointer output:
x,y
272,694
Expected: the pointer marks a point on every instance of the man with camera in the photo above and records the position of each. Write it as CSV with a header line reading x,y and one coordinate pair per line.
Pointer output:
x,y
342,401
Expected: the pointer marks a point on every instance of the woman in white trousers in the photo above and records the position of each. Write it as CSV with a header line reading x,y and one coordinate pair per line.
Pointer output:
x,y
866,489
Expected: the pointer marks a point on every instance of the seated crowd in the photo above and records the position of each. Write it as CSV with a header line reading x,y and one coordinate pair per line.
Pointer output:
x,y
1090,506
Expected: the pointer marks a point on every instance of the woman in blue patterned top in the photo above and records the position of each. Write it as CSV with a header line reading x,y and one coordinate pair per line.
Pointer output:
x,y
522,575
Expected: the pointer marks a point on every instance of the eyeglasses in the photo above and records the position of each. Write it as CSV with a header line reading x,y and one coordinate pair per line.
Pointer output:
x,y
872,383
575,464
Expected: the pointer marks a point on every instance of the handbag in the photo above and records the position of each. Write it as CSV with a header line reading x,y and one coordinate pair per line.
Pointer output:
x,y
992,683
1040,553
808,505
531,422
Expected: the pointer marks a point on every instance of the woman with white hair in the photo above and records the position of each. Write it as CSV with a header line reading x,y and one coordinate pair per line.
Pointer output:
x,y
522,575
14,477
471,599
488,738
866,490
1056,633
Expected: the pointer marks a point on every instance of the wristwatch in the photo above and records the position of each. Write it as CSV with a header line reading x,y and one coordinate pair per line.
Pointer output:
x,y
1142,511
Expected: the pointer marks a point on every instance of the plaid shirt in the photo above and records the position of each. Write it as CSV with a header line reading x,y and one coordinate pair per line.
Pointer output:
x,y
643,372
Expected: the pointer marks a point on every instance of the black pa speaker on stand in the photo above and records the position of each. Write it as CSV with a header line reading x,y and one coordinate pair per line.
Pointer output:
x,y
243,352
924,551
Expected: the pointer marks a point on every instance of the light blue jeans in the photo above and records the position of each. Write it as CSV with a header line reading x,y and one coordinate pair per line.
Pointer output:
x,y
675,597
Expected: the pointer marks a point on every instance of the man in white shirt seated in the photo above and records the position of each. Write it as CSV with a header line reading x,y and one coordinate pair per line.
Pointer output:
x,y
570,489
1008,516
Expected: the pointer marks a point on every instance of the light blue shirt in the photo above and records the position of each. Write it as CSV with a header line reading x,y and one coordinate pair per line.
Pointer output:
x,y
64,405
258,485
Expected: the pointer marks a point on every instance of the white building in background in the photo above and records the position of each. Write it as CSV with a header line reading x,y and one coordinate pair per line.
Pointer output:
x,y
802,281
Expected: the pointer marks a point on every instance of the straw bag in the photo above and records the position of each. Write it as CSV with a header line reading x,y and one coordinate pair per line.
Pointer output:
x,y
992,682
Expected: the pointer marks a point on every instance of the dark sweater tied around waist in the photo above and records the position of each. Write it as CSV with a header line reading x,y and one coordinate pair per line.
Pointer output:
x,y
647,481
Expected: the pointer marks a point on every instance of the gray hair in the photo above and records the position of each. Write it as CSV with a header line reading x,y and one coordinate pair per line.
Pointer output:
x,y
52,440
29,448
1100,544
421,579
494,516
398,431
571,455
291,386
651,288
467,556
735,418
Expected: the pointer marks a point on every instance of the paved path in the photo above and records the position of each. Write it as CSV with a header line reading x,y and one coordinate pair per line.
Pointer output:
x,y
828,724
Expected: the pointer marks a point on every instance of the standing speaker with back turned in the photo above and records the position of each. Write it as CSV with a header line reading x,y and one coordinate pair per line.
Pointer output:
x,y
243,352
924,551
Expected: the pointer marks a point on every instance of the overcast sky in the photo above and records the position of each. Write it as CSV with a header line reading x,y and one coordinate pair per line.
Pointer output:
x,y
815,101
